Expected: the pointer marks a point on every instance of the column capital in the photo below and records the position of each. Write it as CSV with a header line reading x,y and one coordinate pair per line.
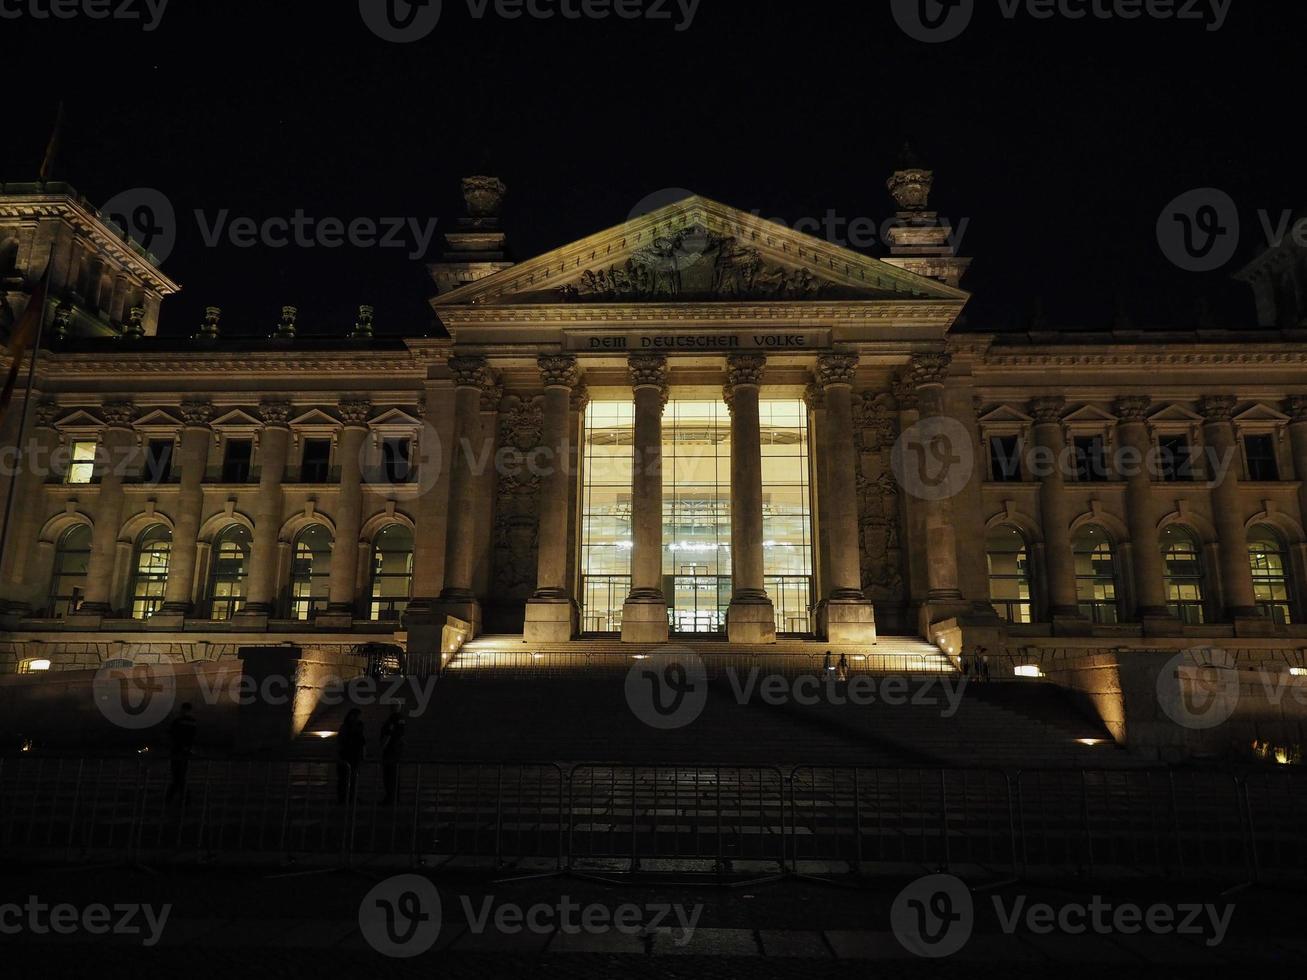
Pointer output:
x,y
197,413
1296,408
930,368
1046,408
469,372
745,369
1216,408
1132,408
836,369
491,395
648,371
118,414
580,397
814,397
275,413
558,370
355,411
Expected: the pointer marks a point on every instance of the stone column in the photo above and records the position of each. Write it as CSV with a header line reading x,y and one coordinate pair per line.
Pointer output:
x,y
274,453
25,583
192,463
816,402
1048,461
116,446
551,612
847,616
487,487
751,617
1228,512
471,377
576,454
342,583
1296,409
1134,438
644,614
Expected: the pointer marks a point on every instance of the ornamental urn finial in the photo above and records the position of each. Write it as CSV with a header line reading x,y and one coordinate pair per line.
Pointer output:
x,y
910,184
484,197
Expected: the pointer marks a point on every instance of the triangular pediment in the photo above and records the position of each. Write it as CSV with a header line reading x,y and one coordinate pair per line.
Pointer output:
x,y
395,417
314,418
694,251
79,419
158,419
1261,413
237,419
1088,415
1005,415
1175,414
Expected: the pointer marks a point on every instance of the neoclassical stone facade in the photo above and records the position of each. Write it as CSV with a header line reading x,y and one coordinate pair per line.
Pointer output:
x,y
697,422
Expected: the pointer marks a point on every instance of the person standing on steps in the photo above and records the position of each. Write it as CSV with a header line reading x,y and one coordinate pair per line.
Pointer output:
x,y
826,665
392,750
351,743
842,669
982,670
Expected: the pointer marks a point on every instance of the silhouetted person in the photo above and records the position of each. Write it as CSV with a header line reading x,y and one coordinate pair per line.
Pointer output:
x,y
392,750
351,741
842,669
982,669
826,664
181,743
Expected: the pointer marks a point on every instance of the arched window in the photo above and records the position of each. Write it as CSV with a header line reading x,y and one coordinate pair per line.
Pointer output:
x,y
1269,561
392,572
1009,573
231,562
1182,560
150,570
72,556
1095,575
310,572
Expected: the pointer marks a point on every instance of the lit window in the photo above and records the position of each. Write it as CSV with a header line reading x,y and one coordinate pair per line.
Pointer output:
x,y
1269,563
1183,564
72,558
81,466
231,556
1095,575
310,572
33,666
1009,573
392,572
150,578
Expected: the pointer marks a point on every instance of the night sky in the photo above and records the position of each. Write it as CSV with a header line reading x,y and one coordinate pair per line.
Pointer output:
x,y
1059,141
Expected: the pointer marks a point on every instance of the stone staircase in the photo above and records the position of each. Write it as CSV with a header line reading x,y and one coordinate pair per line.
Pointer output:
x,y
502,700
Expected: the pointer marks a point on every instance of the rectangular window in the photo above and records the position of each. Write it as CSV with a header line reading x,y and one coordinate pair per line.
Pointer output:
x,y
1262,464
1091,458
315,464
606,514
1175,459
787,513
236,461
395,456
158,461
81,461
1005,459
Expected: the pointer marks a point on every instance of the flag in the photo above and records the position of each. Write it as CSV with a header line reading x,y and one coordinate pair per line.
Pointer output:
x,y
21,338
52,148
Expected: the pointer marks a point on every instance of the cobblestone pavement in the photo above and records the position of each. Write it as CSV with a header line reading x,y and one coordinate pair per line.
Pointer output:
x,y
227,923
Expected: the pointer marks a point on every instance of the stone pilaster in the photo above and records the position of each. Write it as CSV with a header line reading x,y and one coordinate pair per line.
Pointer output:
x,y
551,612
343,580
1133,437
25,584
274,454
1055,515
1237,598
846,615
751,617
815,399
193,463
644,614
471,378
116,446
1296,409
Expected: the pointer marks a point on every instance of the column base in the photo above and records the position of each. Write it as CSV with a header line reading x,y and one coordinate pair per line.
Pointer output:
x,y
841,620
461,604
166,620
335,617
1157,621
644,618
550,620
751,620
254,620
433,636
1252,622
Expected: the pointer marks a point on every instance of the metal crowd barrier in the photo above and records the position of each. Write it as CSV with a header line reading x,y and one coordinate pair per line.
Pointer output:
x,y
549,817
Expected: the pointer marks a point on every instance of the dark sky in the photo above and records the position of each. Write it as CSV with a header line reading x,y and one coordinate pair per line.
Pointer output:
x,y
1059,141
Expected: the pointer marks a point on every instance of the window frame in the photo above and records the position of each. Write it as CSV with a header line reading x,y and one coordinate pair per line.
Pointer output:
x,y
150,602
1178,607
232,604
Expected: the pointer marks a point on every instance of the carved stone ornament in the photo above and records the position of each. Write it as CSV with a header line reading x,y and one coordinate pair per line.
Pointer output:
x,y
910,188
134,327
275,414
483,196
836,369
355,411
745,369
905,392
648,370
492,394
46,413
118,414
286,328
1132,408
1047,408
693,262
558,370
1217,408
814,397
469,372
210,327
1296,408
931,368
197,412
580,398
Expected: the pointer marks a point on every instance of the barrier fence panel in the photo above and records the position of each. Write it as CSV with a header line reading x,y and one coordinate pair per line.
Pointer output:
x,y
78,806
1277,815
1141,820
933,817
708,813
